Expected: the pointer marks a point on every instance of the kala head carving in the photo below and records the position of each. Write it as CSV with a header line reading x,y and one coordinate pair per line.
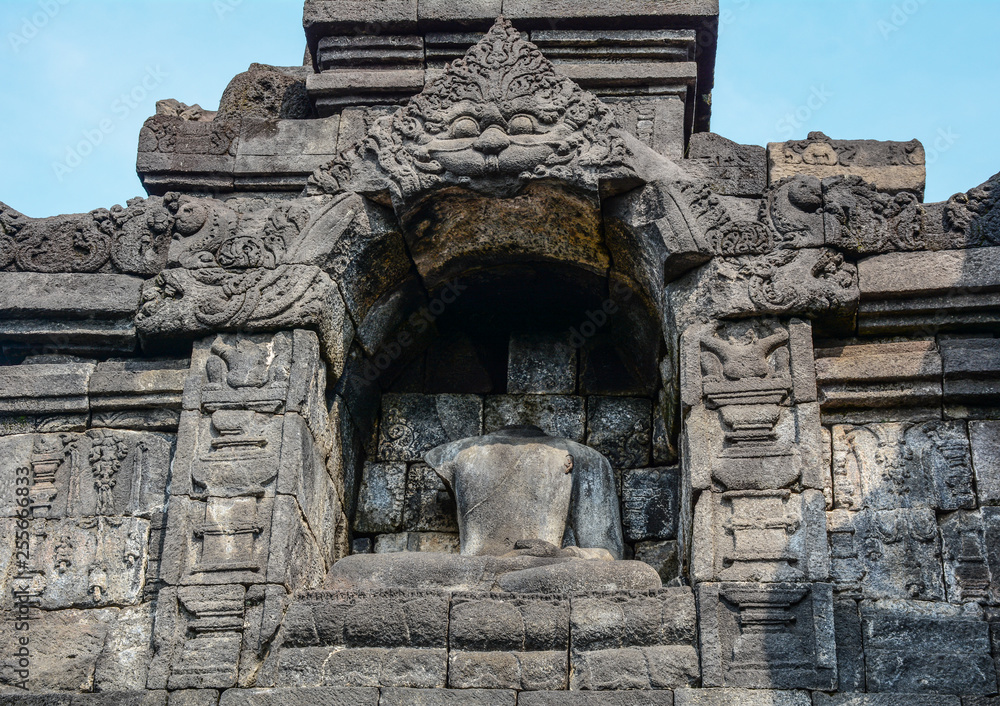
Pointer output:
x,y
495,119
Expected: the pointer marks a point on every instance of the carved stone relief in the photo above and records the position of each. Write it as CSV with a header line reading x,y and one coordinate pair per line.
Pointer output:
x,y
494,120
751,427
902,465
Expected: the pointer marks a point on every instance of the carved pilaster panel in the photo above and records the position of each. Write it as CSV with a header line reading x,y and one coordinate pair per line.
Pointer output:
x,y
767,636
760,535
752,424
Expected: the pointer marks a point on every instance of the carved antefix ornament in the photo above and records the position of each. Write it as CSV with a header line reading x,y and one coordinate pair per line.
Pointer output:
x,y
495,119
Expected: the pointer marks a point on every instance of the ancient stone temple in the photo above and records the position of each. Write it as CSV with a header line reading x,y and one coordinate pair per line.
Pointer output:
x,y
464,365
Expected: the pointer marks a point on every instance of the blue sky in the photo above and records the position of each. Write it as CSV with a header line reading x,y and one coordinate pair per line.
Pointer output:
x,y
90,71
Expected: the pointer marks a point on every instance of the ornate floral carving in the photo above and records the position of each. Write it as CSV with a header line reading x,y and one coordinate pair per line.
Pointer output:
x,y
804,281
722,234
133,239
975,215
495,119
861,219
106,455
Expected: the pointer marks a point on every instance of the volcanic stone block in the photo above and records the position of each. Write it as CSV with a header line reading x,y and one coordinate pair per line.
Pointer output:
x,y
65,647
732,169
390,638
441,697
601,698
767,636
740,697
633,640
662,556
193,697
890,166
70,473
880,382
443,542
649,503
621,429
302,696
500,641
541,364
556,415
985,441
412,425
849,699
45,388
83,563
850,647
896,552
971,377
380,498
427,505
919,647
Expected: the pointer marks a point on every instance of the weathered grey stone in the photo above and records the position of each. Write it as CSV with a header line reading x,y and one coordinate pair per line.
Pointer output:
x,y
662,556
39,294
656,122
787,282
930,462
620,428
15,424
633,641
900,291
79,563
880,382
541,364
603,698
760,535
522,572
265,92
440,542
740,697
746,429
732,169
738,647
921,648
968,571
506,670
412,425
45,389
65,646
556,415
441,697
891,166
985,442
897,553
850,647
850,699
561,487
300,696
193,697
380,498
427,504
101,472
971,376
650,503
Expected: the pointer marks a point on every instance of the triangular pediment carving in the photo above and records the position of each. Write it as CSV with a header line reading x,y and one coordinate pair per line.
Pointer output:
x,y
496,119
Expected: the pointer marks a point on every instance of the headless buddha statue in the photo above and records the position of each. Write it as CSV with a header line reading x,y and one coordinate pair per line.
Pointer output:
x,y
536,514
